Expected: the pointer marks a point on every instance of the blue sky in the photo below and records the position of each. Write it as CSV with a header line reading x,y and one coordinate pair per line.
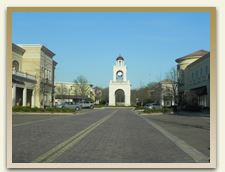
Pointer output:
x,y
88,43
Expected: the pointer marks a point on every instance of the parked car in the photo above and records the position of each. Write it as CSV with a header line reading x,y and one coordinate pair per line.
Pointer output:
x,y
153,106
71,105
59,105
87,104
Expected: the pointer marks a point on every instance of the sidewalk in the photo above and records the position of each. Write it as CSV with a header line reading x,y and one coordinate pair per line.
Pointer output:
x,y
186,113
180,113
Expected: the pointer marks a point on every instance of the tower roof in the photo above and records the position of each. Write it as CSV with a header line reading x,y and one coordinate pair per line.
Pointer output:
x,y
119,58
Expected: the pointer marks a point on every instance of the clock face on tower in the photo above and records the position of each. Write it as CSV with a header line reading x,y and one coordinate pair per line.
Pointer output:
x,y
119,75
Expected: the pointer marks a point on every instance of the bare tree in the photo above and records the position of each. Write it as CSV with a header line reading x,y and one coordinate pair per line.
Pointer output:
x,y
81,83
61,90
155,91
172,76
141,95
105,95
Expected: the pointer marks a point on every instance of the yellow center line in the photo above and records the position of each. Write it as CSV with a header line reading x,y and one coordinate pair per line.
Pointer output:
x,y
37,121
50,118
59,149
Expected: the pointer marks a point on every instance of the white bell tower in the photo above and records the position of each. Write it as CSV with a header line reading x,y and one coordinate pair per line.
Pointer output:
x,y
119,83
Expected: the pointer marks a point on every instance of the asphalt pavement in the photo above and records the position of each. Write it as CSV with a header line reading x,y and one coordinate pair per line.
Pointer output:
x,y
110,135
194,130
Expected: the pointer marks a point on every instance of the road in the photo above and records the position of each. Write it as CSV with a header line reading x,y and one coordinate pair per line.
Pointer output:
x,y
194,130
110,135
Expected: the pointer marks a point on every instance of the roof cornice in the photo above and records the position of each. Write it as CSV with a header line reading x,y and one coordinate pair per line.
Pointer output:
x,y
47,51
17,49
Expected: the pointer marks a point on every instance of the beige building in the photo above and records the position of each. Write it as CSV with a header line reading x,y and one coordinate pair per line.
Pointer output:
x,y
194,78
98,94
36,60
167,93
197,79
69,91
23,84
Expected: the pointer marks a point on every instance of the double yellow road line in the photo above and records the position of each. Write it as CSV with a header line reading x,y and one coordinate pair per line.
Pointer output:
x,y
50,118
58,150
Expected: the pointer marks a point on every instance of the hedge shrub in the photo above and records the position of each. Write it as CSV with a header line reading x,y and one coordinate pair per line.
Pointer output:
x,y
139,107
99,105
35,109
163,110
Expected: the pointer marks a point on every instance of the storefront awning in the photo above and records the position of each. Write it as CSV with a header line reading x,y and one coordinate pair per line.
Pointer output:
x,y
200,90
23,79
16,81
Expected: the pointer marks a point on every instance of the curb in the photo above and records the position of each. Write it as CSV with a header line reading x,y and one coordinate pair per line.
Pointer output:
x,y
145,114
100,108
154,113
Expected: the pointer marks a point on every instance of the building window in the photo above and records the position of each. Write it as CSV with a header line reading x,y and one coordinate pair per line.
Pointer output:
x,y
46,74
206,70
49,75
15,65
42,72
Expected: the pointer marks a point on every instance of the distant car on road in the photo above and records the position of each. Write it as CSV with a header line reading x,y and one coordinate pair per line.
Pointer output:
x,y
71,105
153,106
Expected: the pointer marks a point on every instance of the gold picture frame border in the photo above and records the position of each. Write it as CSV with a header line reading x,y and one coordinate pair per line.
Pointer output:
x,y
213,87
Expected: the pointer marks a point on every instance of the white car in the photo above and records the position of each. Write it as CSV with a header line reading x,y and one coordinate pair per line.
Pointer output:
x,y
153,106
71,105
87,104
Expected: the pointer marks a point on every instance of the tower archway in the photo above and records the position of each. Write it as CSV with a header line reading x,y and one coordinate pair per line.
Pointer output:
x,y
120,97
